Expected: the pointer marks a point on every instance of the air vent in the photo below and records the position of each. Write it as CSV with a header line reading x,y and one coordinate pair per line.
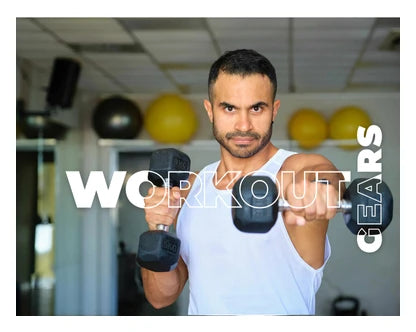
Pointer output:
x,y
107,48
165,23
392,41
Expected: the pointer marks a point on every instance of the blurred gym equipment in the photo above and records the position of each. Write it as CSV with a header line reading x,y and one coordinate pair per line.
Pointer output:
x,y
117,117
308,127
344,123
171,119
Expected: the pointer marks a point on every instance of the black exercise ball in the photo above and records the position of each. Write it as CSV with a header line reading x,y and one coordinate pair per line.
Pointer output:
x,y
117,117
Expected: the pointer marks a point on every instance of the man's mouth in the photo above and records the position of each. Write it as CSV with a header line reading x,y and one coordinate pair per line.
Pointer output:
x,y
241,138
238,140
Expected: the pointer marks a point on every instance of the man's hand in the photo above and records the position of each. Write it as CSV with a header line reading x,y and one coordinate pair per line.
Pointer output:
x,y
310,199
161,206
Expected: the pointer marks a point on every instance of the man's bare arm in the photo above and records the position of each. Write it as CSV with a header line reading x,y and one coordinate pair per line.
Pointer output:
x,y
163,288
307,227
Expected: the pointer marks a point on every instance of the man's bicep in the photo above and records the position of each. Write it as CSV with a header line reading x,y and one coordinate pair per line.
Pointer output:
x,y
302,161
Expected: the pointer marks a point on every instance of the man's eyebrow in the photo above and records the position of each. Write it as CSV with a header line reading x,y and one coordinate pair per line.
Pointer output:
x,y
225,104
258,104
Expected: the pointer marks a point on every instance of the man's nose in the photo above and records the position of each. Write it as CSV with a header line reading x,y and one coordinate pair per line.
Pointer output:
x,y
243,121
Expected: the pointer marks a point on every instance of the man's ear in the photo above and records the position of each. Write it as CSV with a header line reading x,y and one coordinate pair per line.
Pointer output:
x,y
208,108
276,106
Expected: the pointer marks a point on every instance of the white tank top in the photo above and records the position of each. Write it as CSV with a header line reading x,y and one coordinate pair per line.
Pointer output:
x,y
232,272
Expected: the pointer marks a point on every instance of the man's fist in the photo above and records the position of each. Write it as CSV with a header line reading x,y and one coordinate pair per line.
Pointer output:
x,y
161,206
310,200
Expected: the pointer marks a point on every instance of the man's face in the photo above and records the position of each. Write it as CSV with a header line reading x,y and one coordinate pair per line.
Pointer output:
x,y
241,112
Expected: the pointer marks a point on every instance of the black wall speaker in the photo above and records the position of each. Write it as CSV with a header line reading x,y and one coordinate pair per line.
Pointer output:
x,y
63,82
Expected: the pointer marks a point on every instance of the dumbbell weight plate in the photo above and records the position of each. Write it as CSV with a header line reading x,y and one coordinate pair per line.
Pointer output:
x,y
371,205
257,196
158,251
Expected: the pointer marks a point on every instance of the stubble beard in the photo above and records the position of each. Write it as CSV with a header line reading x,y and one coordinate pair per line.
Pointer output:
x,y
243,150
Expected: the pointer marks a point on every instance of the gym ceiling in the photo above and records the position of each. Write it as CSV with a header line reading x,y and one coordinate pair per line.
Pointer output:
x,y
151,55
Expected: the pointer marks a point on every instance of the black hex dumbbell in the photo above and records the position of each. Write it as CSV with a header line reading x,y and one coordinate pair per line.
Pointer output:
x,y
255,205
159,250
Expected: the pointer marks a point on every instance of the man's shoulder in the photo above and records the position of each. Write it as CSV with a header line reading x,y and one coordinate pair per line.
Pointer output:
x,y
302,159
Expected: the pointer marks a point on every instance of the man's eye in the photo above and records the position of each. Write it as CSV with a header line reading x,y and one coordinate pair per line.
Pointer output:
x,y
229,108
256,108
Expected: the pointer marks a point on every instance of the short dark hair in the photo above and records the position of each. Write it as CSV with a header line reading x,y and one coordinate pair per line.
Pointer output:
x,y
242,62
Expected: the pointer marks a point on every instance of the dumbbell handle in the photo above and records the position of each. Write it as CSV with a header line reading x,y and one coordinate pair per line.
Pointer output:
x,y
161,227
344,206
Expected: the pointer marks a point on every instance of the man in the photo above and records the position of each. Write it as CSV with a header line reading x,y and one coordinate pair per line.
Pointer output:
x,y
229,271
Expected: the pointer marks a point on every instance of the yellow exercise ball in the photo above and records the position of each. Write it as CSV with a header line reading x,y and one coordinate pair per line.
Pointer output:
x,y
344,123
308,127
170,119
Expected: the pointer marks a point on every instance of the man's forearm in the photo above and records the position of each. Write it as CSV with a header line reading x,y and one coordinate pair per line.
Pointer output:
x,y
326,171
163,288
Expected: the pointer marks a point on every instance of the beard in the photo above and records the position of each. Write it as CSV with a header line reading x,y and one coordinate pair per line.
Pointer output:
x,y
243,150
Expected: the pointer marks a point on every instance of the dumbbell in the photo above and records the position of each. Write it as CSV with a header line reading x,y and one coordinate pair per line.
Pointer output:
x,y
256,205
158,250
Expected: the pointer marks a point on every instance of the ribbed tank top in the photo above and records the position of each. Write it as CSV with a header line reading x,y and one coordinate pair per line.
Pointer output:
x,y
232,272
